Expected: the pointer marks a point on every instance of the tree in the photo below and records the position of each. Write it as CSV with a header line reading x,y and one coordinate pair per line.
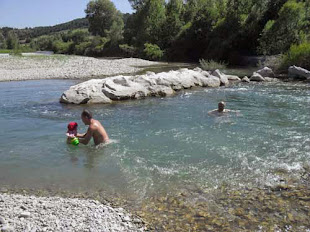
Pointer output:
x,y
115,33
101,14
152,17
12,40
278,35
173,24
2,41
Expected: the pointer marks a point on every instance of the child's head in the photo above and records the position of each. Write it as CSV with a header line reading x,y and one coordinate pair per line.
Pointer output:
x,y
72,129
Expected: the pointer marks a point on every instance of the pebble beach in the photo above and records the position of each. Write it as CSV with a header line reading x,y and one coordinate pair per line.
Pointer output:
x,y
30,214
18,68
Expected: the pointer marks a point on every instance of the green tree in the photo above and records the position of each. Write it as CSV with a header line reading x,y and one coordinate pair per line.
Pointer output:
x,y
12,40
278,35
78,35
115,33
152,18
101,14
173,24
2,41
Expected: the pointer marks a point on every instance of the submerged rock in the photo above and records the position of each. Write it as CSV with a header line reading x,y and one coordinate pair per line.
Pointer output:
x,y
136,87
298,73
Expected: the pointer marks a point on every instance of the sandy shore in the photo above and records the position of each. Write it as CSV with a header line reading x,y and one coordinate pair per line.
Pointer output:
x,y
29,213
17,68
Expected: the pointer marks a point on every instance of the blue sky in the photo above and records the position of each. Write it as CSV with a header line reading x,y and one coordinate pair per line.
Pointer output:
x,y
32,13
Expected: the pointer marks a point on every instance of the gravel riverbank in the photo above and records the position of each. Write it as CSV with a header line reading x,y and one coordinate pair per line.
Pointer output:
x,y
17,68
30,214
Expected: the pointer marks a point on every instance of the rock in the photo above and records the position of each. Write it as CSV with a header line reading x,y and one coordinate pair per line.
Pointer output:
x,y
85,92
223,78
2,221
245,79
233,78
126,219
269,79
25,215
211,81
266,72
135,87
122,88
298,73
257,77
7,228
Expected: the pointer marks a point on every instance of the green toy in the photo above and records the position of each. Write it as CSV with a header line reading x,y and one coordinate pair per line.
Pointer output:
x,y
75,141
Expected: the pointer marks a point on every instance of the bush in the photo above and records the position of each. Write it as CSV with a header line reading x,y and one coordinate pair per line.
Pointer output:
x,y
130,51
211,65
63,47
96,47
153,51
298,55
81,48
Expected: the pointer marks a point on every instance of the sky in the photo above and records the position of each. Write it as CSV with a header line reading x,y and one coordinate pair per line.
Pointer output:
x,y
33,13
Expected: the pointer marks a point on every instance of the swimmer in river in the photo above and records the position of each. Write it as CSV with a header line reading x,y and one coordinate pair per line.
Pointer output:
x,y
220,111
95,130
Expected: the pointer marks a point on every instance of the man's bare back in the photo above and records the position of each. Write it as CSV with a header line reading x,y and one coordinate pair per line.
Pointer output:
x,y
95,130
98,132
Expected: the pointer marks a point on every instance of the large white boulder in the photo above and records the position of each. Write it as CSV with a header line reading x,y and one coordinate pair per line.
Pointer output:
x,y
85,92
135,87
298,72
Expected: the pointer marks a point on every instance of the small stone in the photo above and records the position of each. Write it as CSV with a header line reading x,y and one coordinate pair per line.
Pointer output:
x,y
7,228
126,219
2,221
23,207
24,215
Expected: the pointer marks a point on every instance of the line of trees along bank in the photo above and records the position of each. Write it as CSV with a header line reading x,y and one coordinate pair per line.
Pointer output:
x,y
187,31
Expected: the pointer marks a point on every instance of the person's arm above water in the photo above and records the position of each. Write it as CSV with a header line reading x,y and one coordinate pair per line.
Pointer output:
x,y
80,135
86,138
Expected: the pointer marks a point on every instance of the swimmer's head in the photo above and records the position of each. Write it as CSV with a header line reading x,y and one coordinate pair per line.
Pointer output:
x,y
221,106
86,117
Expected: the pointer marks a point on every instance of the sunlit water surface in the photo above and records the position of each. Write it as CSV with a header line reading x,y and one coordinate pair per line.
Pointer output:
x,y
158,144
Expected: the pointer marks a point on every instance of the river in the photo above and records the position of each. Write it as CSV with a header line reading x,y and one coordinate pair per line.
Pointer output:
x,y
158,145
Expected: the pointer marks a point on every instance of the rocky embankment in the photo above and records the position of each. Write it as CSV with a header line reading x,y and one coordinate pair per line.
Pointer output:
x,y
30,214
152,85
15,68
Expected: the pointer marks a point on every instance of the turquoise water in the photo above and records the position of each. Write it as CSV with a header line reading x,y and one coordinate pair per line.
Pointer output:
x,y
159,144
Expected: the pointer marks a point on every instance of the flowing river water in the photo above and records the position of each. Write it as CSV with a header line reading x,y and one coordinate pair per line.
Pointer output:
x,y
159,145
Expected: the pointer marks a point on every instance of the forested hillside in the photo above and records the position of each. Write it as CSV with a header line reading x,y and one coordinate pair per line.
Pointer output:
x,y
179,31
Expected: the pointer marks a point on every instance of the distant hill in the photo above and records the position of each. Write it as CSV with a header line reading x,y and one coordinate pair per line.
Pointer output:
x,y
28,32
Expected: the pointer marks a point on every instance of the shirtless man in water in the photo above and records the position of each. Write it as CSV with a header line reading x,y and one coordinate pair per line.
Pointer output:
x,y
220,110
95,130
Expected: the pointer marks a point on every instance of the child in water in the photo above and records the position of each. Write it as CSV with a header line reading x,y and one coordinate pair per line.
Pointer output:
x,y
72,133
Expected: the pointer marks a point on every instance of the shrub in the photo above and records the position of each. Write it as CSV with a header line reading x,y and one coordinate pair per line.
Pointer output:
x,y
128,50
211,65
81,48
63,47
153,51
298,55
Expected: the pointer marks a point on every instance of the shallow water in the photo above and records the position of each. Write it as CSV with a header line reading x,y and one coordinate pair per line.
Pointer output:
x,y
158,144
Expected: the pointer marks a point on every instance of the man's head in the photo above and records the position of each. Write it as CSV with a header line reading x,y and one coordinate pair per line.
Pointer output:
x,y
221,106
86,117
